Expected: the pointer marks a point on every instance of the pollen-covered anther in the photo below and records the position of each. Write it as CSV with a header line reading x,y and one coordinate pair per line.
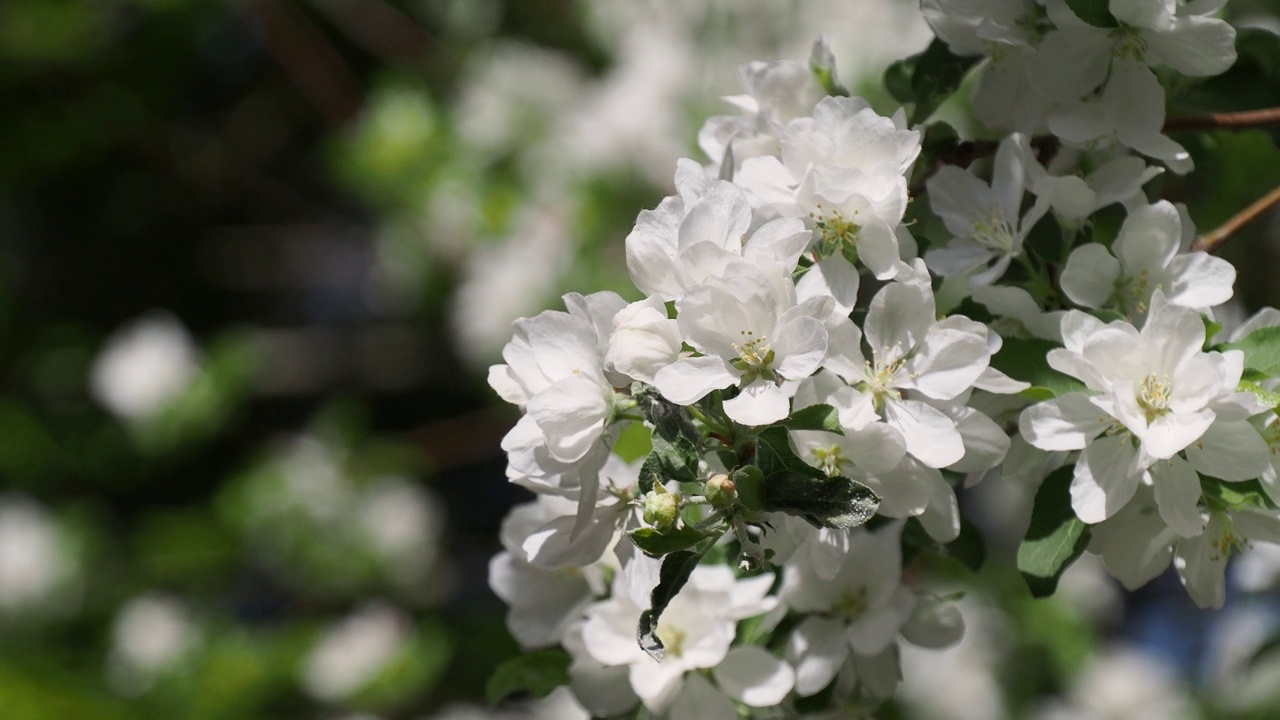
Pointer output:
x,y
1154,395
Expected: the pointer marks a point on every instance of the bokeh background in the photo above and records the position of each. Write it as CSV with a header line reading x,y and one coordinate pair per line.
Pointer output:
x,y
255,259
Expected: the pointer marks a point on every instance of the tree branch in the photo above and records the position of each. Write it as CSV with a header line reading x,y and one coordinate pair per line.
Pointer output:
x,y
1231,120
1212,241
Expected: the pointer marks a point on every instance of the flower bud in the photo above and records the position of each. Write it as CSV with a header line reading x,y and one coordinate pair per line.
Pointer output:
x,y
721,490
661,508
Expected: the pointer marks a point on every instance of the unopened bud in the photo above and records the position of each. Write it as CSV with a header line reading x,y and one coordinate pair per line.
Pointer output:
x,y
661,508
721,490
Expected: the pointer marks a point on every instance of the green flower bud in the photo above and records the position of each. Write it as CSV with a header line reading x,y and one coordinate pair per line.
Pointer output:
x,y
721,491
661,508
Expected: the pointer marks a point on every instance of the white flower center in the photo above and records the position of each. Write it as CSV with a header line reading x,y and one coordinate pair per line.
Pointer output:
x,y
851,604
672,639
1154,394
754,355
828,459
835,231
882,378
1128,41
1226,540
993,232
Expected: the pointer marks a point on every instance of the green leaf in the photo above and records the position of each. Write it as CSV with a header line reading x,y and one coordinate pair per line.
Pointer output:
x,y
897,79
537,673
1094,12
1026,359
774,455
1264,395
1211,328
657,544
676,442
750,483
793,486
675,572
1056,536
815,417
1261,350
1235,494
935,75
833,502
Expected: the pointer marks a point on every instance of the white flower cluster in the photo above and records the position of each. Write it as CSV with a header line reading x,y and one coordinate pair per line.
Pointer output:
x,y
813,397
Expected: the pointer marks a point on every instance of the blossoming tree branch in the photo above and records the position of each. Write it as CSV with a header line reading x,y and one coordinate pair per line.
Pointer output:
x,y
846,318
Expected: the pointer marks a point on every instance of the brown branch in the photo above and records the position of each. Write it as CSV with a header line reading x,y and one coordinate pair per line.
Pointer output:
x,y
1230,120
1212,241
311,61
378,27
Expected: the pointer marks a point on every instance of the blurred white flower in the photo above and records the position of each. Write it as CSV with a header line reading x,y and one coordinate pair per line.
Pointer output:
x,y
510,279
1121,683
149,635
351,654
144,366
404,522
32,561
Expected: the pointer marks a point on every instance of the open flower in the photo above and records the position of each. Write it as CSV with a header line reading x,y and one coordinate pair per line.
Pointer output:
x,y
746,338
1152,394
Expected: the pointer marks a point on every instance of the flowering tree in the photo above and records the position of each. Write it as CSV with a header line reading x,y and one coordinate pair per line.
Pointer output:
x,y
847,317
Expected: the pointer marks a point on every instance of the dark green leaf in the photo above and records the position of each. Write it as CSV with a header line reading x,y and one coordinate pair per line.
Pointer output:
x,y
676,442
774,455
1261,350
1026,359
815,417
537,673
833,502
897,79
937,75
1094,12
675,572
657,544
1056,536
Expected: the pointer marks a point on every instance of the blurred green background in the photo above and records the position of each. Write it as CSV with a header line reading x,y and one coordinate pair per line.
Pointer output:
x,y
255,258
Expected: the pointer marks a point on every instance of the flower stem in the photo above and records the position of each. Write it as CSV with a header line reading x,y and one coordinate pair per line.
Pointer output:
x,y
1210,242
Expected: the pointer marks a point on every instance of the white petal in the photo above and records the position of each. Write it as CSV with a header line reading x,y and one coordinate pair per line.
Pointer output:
x,y
1200,280
1198,47
572,413
698,699
1230,451
897,320
833,277
1178,495
930,435
942,518
760,403
800,346
1105,478
750,674
1135,543
817,649
688,380
1089,278
1202,568
1149,238
947,362
1067,422
877,626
